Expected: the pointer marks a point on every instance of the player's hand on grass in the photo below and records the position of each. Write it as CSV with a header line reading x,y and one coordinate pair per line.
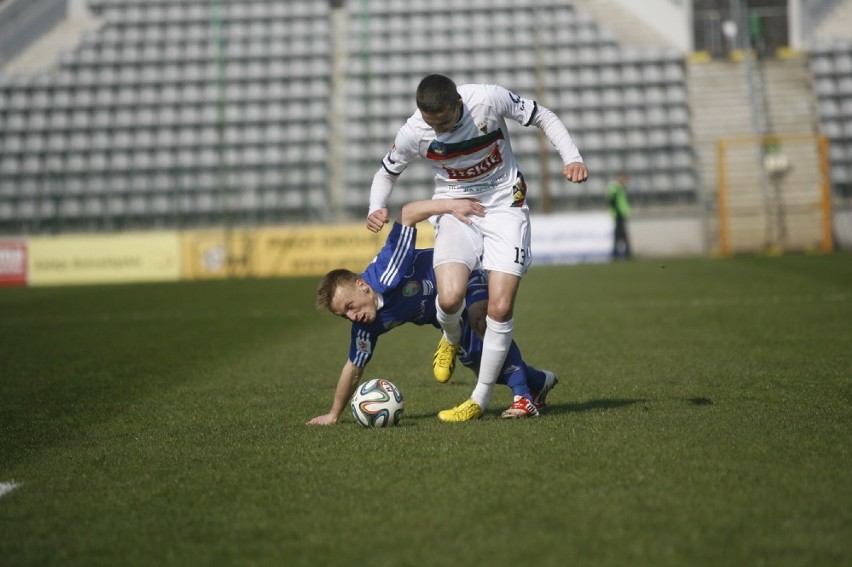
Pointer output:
x,y
576,172
377,220
326,419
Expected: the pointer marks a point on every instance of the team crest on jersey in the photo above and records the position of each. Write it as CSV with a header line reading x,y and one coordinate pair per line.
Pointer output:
x,y
483,127
410,289
364,346
437,148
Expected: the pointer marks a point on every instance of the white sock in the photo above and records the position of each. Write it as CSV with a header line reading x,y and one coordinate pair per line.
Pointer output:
x,y
495,346
450,323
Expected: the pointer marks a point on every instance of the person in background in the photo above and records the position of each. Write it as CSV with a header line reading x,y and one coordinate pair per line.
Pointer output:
x,y
620,209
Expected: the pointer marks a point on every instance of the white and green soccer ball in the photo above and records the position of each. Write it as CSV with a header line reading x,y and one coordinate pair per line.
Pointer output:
x,y
377,403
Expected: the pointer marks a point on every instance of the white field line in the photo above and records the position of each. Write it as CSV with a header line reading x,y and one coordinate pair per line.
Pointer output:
x,y
7,487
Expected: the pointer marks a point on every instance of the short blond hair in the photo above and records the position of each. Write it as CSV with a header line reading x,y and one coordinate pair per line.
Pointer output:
x,y
328,286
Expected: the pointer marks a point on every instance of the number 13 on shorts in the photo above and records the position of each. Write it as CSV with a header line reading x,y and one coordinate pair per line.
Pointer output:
x,y
521,255
507,239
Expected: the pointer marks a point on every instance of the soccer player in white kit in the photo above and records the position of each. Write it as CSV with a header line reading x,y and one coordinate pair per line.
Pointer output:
x,y
462,133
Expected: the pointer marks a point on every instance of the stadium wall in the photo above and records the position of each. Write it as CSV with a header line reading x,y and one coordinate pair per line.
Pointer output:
x,y
654,236
842,228
314,250
304,251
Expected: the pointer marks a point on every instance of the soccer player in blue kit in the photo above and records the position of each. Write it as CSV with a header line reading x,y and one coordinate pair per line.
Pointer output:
x,y
399,287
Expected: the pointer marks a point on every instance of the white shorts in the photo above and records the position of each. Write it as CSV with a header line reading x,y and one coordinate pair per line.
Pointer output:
x,y
499,241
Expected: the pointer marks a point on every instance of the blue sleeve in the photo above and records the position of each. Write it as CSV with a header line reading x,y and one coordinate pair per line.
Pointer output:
x,y
394,259
362,345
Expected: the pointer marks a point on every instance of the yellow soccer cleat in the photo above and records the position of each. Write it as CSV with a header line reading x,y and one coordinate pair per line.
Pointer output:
x,y
468,411
445,361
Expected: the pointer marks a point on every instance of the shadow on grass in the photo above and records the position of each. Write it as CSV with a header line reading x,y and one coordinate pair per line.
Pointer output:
x,y
552,409
591,405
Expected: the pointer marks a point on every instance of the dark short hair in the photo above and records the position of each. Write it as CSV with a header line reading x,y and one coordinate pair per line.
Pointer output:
x,y
436,93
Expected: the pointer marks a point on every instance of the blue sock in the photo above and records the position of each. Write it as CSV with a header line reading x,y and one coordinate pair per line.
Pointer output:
x,y
514,373
535,379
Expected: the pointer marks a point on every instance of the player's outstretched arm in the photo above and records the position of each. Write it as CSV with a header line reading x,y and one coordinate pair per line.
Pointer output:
x,y
346,384
575,170
416,211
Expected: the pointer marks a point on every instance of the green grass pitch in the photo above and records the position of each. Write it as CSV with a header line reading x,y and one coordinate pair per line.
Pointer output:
x,y
703,417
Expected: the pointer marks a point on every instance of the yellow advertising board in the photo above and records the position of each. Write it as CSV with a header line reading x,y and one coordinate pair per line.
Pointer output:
x,y
313,251
103,258
316,250
218,253
284,251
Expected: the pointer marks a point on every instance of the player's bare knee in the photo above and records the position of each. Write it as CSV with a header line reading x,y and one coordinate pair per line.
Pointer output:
x,y
500,311
450,303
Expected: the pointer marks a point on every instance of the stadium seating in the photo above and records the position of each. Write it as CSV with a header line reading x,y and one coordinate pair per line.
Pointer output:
x,y
132,129
831,65
624,106
126,134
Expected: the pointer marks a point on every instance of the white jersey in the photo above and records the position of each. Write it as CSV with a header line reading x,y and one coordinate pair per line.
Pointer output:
x,y
474,159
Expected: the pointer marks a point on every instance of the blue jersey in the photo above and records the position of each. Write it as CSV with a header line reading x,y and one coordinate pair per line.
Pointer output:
x,y
404,278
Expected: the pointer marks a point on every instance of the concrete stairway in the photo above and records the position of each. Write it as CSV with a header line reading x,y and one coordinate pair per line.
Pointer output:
x,y
837,24
625,27
766,211
43,54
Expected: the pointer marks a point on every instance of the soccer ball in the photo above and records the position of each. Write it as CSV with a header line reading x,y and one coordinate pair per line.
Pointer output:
x,y
377,403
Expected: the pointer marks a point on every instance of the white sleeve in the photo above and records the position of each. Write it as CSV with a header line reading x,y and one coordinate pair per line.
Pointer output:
x,y
403,151
510,105
381,189
528,112
557,133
